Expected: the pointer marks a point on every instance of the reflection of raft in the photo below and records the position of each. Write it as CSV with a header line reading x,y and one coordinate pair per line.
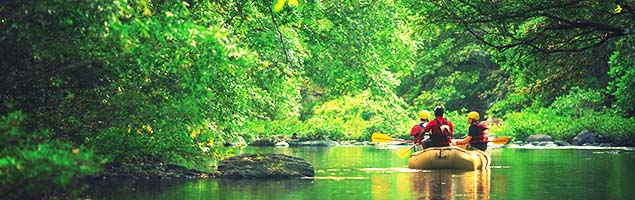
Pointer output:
x,y
449,158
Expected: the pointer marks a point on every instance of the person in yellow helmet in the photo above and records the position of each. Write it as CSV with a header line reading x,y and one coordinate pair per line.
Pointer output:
x,y
417,130
477,133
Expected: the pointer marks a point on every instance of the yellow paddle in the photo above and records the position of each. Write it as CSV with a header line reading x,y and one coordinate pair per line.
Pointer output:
x,y
498,140
380,138
404,152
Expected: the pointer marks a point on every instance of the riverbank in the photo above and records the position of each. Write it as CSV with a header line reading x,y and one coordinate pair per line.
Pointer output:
x,y
364,172
584,140
149,171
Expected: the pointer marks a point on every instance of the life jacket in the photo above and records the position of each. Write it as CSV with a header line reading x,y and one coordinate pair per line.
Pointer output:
x,y
417,129
482,134
441,134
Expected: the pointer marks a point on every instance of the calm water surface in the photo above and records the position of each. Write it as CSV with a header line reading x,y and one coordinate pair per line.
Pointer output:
x,y
372,173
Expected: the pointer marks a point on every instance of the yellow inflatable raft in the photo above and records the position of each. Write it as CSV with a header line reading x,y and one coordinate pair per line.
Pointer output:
x,y
451,157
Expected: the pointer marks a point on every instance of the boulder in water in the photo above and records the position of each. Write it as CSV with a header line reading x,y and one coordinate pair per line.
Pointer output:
x,y
264,166
585,137
539,138
262,143
561,143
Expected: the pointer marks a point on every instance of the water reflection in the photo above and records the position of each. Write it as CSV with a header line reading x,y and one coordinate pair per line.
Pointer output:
x,y
263,189
451,184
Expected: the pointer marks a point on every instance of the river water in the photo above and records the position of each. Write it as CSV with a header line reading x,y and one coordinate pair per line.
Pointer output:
x,y
374,173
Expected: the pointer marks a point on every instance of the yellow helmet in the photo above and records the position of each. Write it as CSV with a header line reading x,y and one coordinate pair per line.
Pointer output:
x,y
473,115
424,115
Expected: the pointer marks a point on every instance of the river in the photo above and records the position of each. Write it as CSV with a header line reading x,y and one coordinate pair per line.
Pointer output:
x,y
373,173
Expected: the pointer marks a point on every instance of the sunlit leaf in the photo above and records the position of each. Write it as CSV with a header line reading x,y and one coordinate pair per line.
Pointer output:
x,y
279,5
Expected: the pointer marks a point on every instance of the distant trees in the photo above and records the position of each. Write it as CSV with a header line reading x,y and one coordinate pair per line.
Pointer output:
x,y
552,45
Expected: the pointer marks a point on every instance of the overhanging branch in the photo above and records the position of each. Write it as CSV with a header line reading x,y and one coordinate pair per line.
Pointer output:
x,y
280,36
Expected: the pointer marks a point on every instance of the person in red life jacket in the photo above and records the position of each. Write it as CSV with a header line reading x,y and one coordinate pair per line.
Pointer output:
x,y
441,130
417,130
477,136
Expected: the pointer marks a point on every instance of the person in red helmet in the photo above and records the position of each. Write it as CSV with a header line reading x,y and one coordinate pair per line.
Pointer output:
x,y
417,130
441,130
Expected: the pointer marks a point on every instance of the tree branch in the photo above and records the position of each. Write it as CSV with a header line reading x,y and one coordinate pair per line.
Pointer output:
x,y
584,24
280,36
562,34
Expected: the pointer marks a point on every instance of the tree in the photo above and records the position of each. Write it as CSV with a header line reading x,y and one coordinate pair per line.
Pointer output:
x,y
546,46
545,26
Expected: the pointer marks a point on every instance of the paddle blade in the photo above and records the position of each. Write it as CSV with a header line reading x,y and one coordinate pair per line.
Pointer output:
x,y
378,137
500,140
404,152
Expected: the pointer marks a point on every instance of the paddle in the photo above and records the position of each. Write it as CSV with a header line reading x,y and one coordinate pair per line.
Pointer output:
x,y
403,152
380,138
498,140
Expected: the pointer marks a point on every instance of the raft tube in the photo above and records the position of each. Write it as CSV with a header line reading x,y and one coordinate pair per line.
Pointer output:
x,y
451,157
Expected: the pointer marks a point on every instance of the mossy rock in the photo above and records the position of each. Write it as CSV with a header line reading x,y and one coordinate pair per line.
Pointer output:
x,y
264,166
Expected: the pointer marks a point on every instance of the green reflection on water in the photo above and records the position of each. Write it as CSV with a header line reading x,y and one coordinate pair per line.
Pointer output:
x,y
371,173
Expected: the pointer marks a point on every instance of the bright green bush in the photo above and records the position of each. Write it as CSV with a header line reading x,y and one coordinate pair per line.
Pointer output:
x,y
344,118
546,121
33,167
578,103
359,116
263,129
514,102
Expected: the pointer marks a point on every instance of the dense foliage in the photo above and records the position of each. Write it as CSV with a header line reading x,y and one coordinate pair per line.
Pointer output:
x,y
142,81
34,166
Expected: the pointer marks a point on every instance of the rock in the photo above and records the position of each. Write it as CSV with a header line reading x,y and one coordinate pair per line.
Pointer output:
x,y
544,144
606,145
315,143
282,144
262,143
585,137
364,143
561,143
264,166
549,144
519,143
538,138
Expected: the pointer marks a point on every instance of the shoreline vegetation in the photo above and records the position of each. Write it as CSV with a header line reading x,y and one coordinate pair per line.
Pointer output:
x,y
90,87
172,171
65,155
